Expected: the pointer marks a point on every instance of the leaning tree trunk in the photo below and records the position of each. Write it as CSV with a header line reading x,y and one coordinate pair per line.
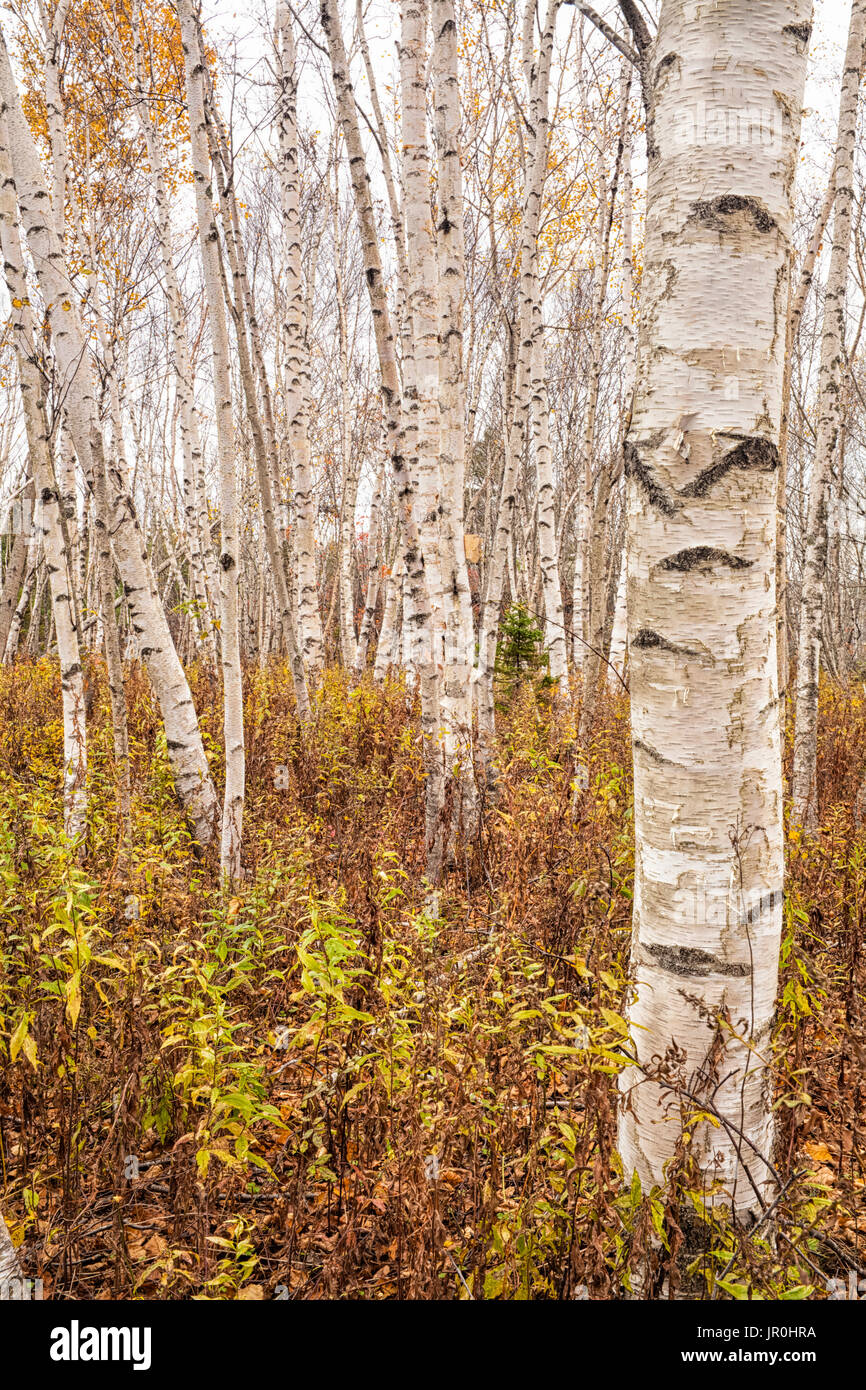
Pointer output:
x,y
701,459
31,564
32,385
804,810
71,352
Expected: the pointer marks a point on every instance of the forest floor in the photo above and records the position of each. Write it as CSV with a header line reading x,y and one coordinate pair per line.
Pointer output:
x,y
335,1084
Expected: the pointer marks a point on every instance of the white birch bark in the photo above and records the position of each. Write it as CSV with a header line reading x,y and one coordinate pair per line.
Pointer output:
x,y
391,401
69,343
11,1272
516,399
102,521
421,399
701,467
617,656
31,564
450,249
31,383
804,810
16,568
241,309
197,530
375,549
349,497
796,305
388,650
229,561
297,356
584,576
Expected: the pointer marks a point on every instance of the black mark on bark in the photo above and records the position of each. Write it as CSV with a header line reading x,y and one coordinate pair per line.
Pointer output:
x,y
754,452
635,468
703,558
714,211
689,960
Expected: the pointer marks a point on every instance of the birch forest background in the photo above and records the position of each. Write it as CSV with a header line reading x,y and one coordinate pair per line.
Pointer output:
x,y
433,634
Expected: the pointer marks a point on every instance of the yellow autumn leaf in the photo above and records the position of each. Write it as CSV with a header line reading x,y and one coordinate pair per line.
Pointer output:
x,y
819,1152
17,1040
73,997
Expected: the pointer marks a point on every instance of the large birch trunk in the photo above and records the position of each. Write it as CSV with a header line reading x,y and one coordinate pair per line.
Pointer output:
x,y
701,466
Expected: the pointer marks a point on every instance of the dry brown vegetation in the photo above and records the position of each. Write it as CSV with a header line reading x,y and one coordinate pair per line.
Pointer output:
x,y
335,1083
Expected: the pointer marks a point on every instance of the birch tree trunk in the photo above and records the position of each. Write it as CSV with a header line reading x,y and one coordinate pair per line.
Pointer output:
x,y
796,306
617,656
421,398
240,307
31,565
375,562
388,650
31,383
349,497
10,1266
804,810
701,467
296,352
618,636
16,568
233,710
450,249
202,562
591,510
413,559
70,348
516,400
